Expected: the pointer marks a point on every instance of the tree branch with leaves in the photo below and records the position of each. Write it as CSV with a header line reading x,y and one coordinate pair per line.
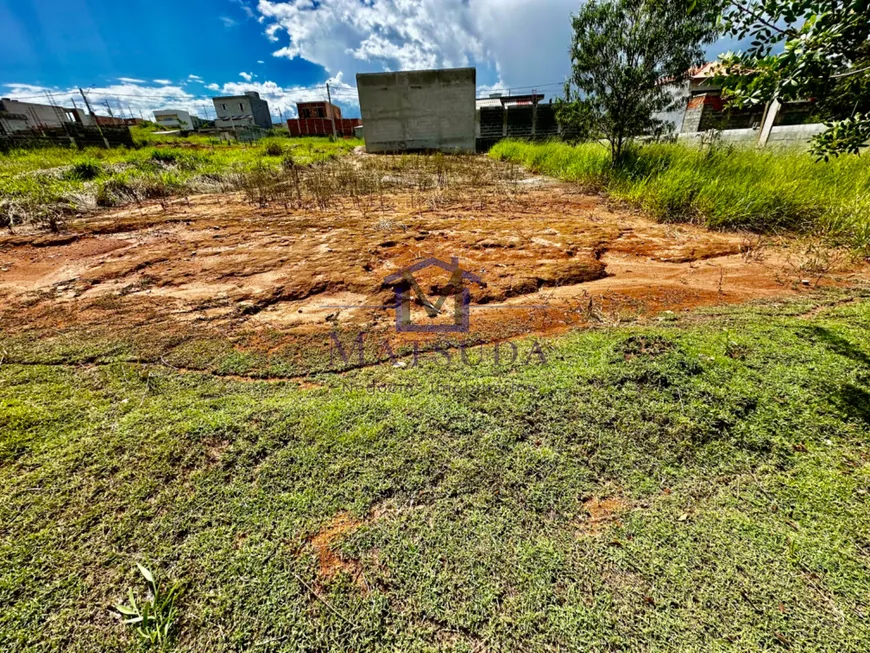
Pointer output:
x,y
804,49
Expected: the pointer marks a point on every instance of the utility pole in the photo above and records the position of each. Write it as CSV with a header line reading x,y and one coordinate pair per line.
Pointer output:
x,y
331,112
94,116
111,115
534,111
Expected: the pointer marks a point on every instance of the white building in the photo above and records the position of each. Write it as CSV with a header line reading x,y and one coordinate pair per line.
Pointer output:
x,y
174,119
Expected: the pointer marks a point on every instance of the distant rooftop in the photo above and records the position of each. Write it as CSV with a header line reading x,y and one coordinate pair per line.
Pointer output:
x,y
498,100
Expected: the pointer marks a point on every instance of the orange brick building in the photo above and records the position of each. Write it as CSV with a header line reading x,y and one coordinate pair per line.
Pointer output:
x,y
315,119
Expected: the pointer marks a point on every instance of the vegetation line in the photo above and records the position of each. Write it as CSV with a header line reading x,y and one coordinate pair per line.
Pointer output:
x,y
720,187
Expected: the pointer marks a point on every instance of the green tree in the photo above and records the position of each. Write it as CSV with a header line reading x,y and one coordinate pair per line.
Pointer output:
x,y
622,54
804,49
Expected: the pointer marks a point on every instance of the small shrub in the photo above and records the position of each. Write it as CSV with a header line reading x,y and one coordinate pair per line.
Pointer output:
x,y
644,345
153,619
106,195
288,162
274,149
84,171
164,156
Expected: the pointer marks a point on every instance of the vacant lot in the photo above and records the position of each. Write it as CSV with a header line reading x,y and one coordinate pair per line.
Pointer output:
x,y
275,270
690,469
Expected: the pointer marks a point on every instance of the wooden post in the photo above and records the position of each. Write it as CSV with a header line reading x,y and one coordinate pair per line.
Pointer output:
x,y
94,116
331,112
768,121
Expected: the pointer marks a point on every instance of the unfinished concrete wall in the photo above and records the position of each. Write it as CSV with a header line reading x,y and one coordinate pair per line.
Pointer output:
x,y
418,110
36,115
530,122
782,136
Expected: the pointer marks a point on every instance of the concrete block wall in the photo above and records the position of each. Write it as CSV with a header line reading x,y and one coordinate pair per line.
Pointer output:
x,y
793,135
781,136
520,122
36,115
491,123
546,126
692,120
418,110
526,121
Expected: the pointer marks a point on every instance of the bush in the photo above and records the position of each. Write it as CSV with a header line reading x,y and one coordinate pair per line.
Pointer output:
x,y
164,156
274,149
84,171
114,192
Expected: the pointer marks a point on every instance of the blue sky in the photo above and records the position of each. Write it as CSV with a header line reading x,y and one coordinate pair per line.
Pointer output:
x,y
151,55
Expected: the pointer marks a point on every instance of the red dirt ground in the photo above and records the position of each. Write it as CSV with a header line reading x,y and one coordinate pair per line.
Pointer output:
x,y
551,258
329,562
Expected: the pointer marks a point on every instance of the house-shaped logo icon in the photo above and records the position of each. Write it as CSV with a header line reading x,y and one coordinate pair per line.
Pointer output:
x,y
404,283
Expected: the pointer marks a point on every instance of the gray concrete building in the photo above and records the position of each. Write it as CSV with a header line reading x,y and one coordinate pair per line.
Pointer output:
x,y
418,110
242,111
21,116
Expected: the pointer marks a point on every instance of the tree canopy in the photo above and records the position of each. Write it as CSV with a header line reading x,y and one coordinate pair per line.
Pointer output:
x,y
804,49
623,52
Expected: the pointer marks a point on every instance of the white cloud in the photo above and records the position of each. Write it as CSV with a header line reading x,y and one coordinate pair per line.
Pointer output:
x,y
260,61
127,98
246,8
228,22
131,80
246,76
194,78
142,99
162,81
513,42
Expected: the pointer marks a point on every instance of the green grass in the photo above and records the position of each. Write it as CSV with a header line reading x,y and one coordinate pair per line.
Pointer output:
x,y
36,181
722,188
737,443
148,133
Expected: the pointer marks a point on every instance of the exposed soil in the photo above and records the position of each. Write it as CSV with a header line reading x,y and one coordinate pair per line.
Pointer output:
x,y
548,257
329,563
602,514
